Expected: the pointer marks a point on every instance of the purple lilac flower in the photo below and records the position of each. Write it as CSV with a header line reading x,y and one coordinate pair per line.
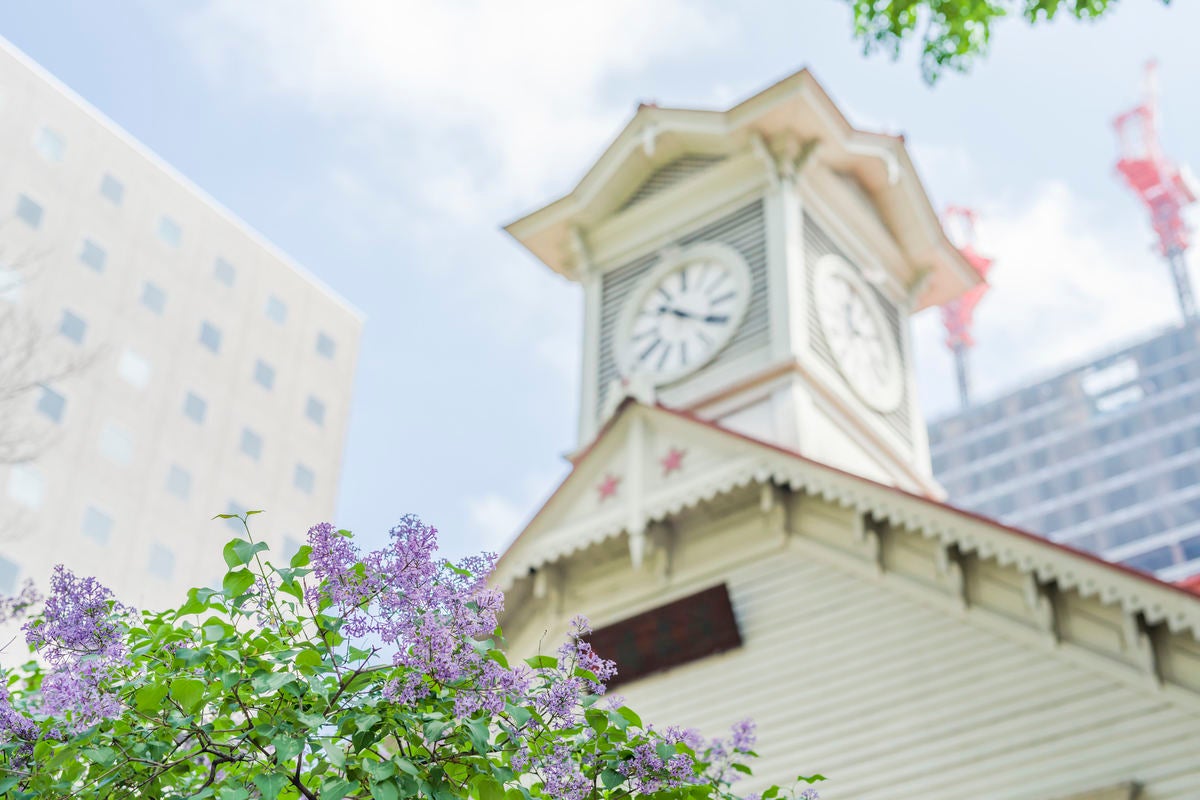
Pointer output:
x,y
561,775
80,619
13,724
429,610
18,606
80,634
744,736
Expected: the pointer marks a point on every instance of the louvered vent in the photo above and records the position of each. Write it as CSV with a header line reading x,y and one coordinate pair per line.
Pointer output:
x,y
670,174
744,230
816,244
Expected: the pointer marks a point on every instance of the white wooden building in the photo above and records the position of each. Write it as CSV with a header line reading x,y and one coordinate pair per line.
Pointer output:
x,y
751,521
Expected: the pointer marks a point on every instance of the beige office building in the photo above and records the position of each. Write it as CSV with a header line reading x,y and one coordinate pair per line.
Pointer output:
x,y
184,366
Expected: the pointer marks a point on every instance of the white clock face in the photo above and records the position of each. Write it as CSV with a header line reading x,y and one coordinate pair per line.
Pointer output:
x,y
684,313
858,335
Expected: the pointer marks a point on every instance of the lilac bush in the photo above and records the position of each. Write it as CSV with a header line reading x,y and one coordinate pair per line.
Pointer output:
x,y
341,675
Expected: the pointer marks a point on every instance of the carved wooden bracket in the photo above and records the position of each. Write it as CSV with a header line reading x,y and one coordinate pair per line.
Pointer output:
x,y
1039,599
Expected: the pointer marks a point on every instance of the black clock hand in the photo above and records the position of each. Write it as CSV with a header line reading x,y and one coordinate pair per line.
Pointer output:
x,y
679,312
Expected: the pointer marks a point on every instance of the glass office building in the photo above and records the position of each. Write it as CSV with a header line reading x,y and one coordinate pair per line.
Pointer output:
x,y
1104,457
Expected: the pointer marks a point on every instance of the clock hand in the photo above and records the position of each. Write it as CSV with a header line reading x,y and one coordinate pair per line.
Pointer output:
x,y
679,312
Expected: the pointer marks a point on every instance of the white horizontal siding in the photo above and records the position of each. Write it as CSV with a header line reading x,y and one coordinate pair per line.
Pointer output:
x,y
894,699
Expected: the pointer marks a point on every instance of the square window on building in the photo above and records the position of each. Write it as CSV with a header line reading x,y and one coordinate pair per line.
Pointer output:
x,y
179,481
304,479
251,444
1153,560
314,409
195,407
170,232
28,211
161,563
51,404
72,326
116,444
112,189
96,525
153,297
50,145
9,572
26,485
134,369
11,285
326,346
224,272
264,374
210,336
1190,548
1121,498
276,310
93,255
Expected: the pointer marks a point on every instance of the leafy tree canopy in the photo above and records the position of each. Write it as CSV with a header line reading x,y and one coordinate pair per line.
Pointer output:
x,y
341,675
953,33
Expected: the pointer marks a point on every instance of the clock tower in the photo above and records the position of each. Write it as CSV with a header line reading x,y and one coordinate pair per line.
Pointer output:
x,y
756,268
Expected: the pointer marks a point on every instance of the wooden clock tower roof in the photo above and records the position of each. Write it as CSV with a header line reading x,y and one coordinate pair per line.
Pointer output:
x,y
795,113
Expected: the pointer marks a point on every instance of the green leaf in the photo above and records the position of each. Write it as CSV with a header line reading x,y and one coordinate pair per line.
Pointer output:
x,y
597,719
238,552
286,748
489,789
237,582
149,699
811,779
269,785
8,783
630,716
215,630
334,752
308,658
335,789
104,756
271,681
434,730
367,721
385,790
611,778
519,715
477,731
188,692
302,556
542,662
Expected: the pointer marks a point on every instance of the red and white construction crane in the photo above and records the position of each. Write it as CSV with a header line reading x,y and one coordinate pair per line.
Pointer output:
x,y
1163,188
958,315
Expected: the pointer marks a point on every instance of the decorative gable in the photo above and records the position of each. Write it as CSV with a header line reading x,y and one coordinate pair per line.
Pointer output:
x,y
670,174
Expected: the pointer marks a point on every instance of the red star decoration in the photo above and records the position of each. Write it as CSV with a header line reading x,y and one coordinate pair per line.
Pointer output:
x,y
608,487
672,461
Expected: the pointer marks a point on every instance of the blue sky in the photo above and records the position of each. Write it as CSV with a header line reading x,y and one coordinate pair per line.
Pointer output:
x,y
383,144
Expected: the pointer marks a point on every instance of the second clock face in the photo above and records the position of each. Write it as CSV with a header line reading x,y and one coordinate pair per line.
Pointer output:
x,y
858,335
683,316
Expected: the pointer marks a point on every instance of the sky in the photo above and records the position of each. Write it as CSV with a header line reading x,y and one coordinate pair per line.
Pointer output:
x,y
383,144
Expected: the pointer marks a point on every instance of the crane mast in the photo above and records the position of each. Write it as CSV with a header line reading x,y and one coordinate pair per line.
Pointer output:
x,y
958,315
1164,188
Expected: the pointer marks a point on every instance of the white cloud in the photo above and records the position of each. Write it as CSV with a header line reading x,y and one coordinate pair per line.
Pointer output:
x,y
1066,284
496,518
523,81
